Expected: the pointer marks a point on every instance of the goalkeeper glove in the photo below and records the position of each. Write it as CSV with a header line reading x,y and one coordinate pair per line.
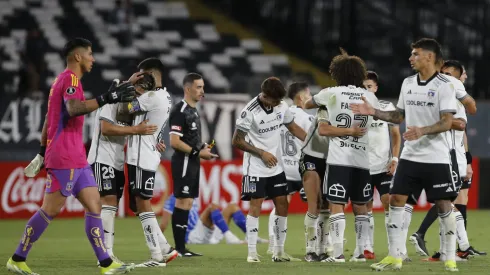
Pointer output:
x,y
124,92
36,164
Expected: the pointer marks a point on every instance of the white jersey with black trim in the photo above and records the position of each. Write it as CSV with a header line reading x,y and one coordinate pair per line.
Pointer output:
x,y
154,106
291,145
423,103
108,150
380,151
347,151
459,135
316,145
263,127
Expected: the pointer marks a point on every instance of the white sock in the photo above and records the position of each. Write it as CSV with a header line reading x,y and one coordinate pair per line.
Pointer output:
x,y
362,233
387,218
252,234
370,243
272,216
151,231
280,231
337,228
395,225
108,216
461,232
442,239
407,218
322,232
164,246
310,232
449,224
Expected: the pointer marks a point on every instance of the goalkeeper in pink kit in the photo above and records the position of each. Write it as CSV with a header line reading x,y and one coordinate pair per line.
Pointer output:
x,y
65,158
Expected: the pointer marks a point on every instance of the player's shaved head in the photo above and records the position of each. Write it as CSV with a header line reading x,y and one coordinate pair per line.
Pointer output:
x,y
455,65
348,69
75,44
272,87
295,88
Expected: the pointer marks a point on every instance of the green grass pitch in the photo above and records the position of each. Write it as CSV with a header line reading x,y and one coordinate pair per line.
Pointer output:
x,y
64,249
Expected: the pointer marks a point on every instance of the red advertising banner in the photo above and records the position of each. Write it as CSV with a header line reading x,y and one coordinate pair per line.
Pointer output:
x,y
220,184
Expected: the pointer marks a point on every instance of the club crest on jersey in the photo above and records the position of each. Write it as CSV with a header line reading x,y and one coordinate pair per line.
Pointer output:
x,y
70,90
107,185
279,116
243,115
431,93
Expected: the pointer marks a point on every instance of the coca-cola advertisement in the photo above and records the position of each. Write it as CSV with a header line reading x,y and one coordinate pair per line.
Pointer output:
x,y
220,184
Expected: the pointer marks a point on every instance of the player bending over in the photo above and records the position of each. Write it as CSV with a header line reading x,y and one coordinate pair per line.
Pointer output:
x,y
209,227
65,158
258,133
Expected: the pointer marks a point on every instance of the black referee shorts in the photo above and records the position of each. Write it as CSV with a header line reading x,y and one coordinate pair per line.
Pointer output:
x,y
185,175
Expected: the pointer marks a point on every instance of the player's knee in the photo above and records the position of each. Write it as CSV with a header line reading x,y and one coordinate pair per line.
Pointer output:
x,y
398,200
143,204
359,209
111,200
213,206
443,206
336,208
369,206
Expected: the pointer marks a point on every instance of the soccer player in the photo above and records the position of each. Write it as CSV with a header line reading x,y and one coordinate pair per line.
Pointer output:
x,y
384,149
258,134
143,159
427,102
201,229
347,173
454,70
106,157
66,162
185,139
299,92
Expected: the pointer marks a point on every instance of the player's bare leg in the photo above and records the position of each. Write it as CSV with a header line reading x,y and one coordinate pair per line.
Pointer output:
x,y
362,231
337,228
311,185
160,250
52,204
253,229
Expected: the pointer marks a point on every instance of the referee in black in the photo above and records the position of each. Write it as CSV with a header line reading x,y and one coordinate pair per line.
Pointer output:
x,y
185,139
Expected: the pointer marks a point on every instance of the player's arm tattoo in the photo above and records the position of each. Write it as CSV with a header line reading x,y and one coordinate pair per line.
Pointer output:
x,y
396,116
239,142
76,107
442,125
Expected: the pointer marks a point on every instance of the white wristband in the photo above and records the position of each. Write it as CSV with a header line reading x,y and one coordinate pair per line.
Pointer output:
x,y
395,159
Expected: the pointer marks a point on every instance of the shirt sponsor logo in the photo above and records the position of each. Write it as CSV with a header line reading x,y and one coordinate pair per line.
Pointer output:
x,y
272,128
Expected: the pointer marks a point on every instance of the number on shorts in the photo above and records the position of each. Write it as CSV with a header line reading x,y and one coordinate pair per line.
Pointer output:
x,y
108,172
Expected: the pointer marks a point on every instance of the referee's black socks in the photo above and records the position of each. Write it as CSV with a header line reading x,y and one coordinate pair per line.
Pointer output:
x,y
179,227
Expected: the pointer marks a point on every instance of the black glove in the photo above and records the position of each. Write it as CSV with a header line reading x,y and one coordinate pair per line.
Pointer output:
x,y
124,92
302,194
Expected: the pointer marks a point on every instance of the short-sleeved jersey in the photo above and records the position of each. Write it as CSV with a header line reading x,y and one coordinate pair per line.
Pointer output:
x,y
263,127
316,145
347,151
380,152
108,150
193,213
186,123
65,148
423,103
291,145
459,135
153,106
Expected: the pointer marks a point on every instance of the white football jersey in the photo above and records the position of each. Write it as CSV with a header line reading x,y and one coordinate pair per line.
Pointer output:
x,y
108,150
153,106
347,151
316,145
423,103
380,153
291,145
263,127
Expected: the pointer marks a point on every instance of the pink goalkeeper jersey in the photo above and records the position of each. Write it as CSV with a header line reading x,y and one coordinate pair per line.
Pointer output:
x,y
65,148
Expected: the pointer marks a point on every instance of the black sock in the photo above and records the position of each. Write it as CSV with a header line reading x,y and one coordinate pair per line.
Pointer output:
x,y
179,227
462,209
429,219
17,258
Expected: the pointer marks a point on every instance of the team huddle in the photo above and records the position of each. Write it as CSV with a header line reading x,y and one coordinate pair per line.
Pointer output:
x,y
351,146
